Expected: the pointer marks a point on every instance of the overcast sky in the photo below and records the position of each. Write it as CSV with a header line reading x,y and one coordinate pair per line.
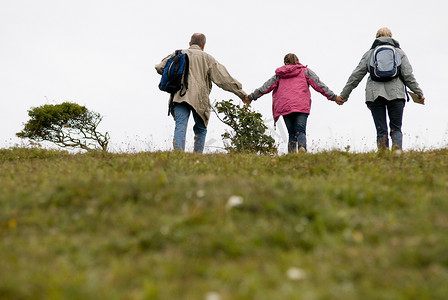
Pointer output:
x,y
101,54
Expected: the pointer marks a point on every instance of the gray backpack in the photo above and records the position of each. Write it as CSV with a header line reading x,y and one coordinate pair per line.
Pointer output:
x,y
385,63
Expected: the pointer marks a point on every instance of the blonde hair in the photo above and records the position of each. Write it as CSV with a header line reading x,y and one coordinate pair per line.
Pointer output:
x,y
291,59
384,32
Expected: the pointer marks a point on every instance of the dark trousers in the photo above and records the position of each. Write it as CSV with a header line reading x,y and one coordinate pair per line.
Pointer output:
x,y
296,124
394,109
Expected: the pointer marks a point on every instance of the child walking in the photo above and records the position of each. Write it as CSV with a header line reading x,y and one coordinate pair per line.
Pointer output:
x,y
292,98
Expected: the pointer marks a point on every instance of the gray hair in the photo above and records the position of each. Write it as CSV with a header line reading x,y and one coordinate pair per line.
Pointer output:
x,y
198,39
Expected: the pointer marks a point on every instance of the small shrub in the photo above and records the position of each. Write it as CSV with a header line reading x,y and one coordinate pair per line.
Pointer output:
x,y
248,129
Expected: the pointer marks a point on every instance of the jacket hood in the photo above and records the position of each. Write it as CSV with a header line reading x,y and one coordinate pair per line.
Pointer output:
x,y
384,40
288,71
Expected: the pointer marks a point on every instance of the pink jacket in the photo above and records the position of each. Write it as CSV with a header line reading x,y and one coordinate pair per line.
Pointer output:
x,y
291,93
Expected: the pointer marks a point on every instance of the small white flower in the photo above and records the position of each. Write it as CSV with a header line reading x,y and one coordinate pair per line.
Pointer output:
x,y
165,230
200,193
212,296
234,201
296,274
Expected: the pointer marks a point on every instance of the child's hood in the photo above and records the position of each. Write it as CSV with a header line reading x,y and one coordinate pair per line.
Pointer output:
x,y
288,71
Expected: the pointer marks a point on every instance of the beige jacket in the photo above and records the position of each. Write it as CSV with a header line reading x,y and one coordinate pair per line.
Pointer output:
x,y
204,69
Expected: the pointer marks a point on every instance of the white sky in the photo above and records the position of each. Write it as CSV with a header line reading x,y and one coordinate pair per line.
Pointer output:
x,y
101,54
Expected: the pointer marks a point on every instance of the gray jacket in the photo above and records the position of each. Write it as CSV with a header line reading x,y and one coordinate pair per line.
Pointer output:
x,y
389,90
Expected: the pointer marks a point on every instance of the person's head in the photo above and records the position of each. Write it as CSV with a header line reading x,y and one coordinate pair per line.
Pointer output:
x,y
291,59
198,39
383,32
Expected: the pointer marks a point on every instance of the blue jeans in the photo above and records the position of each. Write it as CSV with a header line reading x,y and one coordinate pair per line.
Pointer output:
x,y
394,109
181,116
296,125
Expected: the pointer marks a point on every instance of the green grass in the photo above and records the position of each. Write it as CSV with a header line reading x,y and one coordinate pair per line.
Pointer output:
x,y
159,226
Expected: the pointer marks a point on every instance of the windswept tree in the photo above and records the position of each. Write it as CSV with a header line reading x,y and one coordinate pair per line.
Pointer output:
x,y
248,129
67,125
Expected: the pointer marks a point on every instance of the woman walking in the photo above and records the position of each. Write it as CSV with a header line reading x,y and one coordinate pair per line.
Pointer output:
x,y
292,98
385,94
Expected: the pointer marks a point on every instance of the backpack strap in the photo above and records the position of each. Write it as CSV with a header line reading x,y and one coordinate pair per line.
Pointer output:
x,y
406,92
405,87
184,85
171,105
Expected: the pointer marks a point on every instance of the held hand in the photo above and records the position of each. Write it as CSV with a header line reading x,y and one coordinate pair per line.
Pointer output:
x,y
246,99
339,100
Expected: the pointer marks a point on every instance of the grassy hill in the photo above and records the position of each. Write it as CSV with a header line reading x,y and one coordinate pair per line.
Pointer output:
x,y
168,225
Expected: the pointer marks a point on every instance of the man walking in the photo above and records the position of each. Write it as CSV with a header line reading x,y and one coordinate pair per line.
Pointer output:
x,y
203,70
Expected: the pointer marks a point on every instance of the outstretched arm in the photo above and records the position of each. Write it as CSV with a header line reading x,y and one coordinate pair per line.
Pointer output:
x,y
221,77
356,76
266,88
408,76
319,86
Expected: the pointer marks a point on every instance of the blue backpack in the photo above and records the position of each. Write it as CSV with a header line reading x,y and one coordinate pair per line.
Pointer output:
x,y
175,74
385,63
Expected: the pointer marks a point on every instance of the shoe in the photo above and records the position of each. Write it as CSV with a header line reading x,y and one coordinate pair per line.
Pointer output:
x,y
302,149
